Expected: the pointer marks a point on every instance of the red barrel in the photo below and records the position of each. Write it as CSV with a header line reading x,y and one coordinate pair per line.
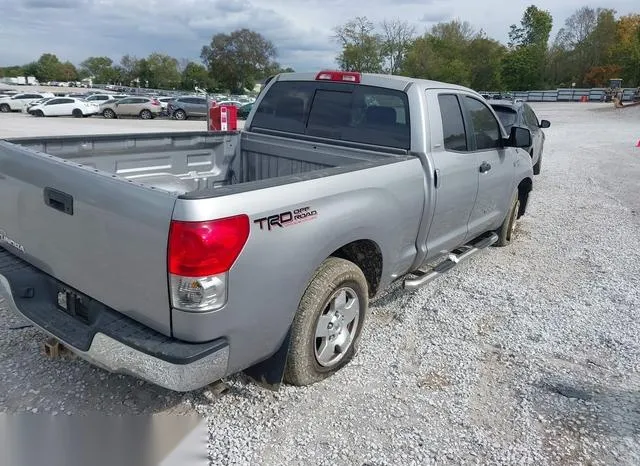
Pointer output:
x,y
223,117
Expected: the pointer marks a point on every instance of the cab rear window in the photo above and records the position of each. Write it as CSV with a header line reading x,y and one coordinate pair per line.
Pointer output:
x,y
344,112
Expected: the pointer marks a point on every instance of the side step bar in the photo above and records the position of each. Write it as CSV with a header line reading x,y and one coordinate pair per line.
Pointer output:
x,y
455,257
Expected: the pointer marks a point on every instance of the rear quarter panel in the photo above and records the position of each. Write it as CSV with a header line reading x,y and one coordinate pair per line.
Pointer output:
x,y
383,204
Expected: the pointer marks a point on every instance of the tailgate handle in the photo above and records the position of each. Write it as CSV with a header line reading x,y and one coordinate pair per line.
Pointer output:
x,y
58,200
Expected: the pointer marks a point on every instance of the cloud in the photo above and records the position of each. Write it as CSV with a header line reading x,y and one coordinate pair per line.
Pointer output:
x,y
435,16
55,4
232,6
301,31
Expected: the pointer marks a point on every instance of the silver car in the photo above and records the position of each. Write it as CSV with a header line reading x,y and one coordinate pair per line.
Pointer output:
x,y
143,107
182,108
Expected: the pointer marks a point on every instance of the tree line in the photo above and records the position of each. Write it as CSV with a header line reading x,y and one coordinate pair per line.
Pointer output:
x,y
231,62
593,46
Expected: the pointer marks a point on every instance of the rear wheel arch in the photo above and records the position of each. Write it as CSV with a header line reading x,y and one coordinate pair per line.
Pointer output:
x,y
367,255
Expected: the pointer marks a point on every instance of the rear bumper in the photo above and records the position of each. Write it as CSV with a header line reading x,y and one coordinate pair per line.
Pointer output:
x,y
108,339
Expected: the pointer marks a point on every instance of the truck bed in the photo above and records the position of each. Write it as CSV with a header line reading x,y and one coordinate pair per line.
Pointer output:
x,y
196,162
94,211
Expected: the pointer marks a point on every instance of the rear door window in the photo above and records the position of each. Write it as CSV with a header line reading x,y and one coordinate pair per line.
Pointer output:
x,y
453,131
345,112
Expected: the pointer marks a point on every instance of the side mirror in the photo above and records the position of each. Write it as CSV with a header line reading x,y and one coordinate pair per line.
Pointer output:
x,y
519,137
545,124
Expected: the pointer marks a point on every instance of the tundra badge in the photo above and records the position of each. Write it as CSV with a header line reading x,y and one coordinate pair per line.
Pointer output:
x,y
5,239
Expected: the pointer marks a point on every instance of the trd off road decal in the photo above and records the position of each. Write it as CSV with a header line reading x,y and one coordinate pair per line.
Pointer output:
x,y
286,219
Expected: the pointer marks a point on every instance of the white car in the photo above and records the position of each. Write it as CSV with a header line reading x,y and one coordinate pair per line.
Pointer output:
x,y
164,102
36,102
18,102
100,98
65,106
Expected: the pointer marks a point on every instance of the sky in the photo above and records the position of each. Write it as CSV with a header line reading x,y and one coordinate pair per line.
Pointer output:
x,y
301,30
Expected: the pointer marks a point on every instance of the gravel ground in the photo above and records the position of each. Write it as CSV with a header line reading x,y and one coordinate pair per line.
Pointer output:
x,y
525,354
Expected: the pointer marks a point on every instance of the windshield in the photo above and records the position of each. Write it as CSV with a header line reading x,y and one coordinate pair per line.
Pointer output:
x,y
508,116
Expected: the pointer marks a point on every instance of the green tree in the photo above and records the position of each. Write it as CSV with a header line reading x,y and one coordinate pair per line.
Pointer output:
x,y
12,72
196,75
485,58
397,38
534,30
524,67
68,71
129,69
239,59
454,52
362,47
626,51
421,60
30,69
100,68
49,68
162,71
603,39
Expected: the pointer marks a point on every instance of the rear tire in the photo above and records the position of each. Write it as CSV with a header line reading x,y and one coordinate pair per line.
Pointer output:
x,y
146,114
326,329
77,113
505,232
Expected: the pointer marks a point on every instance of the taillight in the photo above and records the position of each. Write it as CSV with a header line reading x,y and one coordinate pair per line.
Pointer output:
x,y
344,76
155,102
200,254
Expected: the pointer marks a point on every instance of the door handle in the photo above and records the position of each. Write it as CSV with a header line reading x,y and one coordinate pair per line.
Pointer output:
x,y
485,167
58,200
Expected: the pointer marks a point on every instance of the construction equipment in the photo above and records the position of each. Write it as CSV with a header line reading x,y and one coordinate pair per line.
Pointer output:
x,y
614,92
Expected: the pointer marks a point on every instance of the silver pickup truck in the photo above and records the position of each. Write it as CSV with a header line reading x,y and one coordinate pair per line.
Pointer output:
x,y
181,258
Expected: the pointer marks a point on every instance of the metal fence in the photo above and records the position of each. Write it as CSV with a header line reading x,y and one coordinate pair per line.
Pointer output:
x,y
568,95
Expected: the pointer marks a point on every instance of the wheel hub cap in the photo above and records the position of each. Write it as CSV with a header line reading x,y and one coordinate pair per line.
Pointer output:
x,y
337,326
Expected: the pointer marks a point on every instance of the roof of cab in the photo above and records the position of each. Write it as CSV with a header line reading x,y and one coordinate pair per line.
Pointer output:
x,y
381,80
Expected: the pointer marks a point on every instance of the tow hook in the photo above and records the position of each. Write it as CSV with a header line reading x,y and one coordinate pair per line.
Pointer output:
x,y
54,349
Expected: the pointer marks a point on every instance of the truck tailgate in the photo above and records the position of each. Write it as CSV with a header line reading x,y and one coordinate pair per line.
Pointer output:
x,y
93,231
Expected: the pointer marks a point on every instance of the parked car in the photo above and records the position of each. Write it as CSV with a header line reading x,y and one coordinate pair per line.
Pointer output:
x,y
36,102
164,103
18,102
185,107
182,258
65,106
143,107
235,103
520,114
243,112
100,98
